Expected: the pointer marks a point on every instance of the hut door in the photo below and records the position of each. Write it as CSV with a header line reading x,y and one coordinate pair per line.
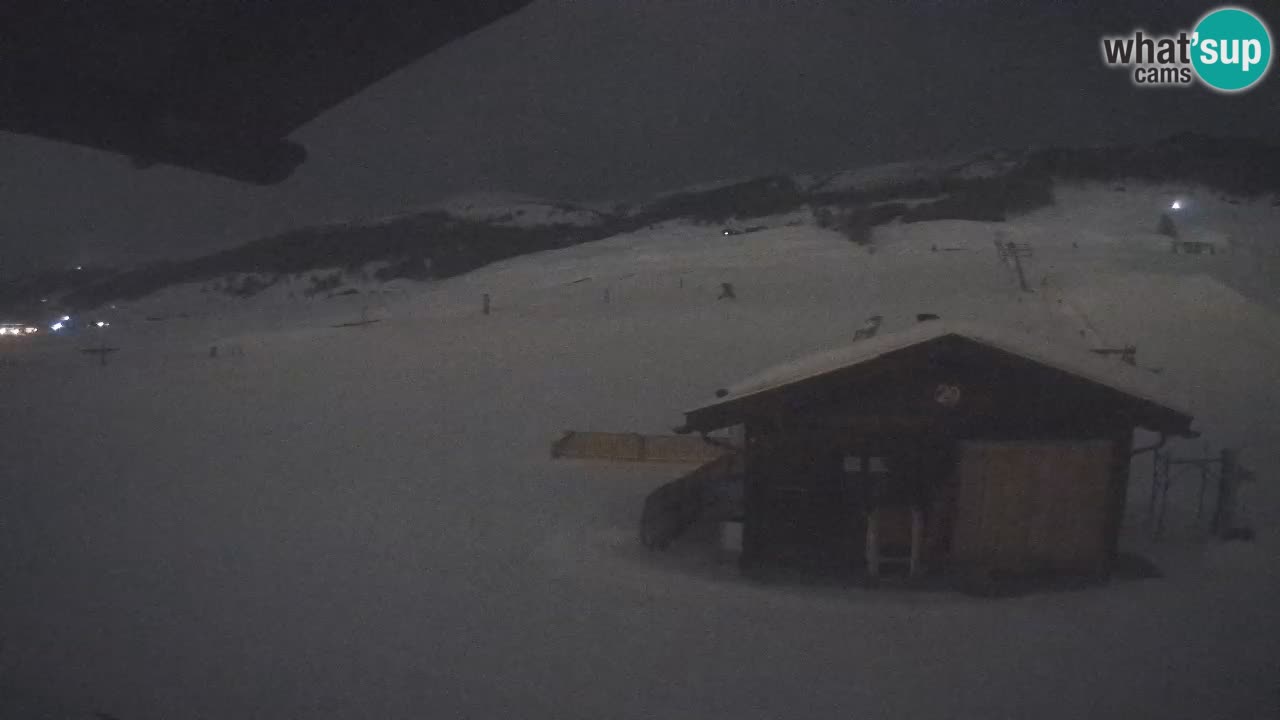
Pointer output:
x,y
1033,506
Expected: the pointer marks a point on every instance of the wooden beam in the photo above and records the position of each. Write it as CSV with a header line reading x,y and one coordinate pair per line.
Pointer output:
x,y
635,447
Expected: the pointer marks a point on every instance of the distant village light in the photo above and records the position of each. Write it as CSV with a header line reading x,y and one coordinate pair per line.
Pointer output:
x,y
1177,205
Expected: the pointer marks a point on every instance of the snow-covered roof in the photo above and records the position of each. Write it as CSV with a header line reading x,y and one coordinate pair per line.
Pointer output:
x,y
1051,352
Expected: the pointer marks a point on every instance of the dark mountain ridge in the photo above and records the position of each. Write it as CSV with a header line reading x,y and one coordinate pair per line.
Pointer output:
x,y
436,244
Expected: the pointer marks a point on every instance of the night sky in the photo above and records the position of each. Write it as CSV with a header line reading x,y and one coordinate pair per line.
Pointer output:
x,y
613,99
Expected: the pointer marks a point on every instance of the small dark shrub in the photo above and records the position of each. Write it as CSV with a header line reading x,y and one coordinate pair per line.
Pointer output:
x,y
856,229
323,283
248,286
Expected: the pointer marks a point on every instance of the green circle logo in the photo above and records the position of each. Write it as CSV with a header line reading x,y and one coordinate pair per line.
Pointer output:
x,y
1231,49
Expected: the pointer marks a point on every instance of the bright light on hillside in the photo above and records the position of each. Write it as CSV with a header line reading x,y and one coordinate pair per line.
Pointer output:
x,y
1177,205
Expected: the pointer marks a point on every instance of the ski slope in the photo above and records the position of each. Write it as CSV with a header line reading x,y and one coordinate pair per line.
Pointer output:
x,y
363,522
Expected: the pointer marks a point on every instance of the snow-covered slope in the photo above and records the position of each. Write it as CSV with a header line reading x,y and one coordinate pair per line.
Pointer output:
x,y
362,521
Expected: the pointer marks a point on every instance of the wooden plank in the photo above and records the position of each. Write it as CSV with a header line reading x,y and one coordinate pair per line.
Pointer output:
x,y
968,543
635,447
1023,486
1070,509
1017,479
1024,506
1051,512
1091,502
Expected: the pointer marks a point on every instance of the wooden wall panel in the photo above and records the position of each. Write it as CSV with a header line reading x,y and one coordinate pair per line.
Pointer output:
x,y
1030,506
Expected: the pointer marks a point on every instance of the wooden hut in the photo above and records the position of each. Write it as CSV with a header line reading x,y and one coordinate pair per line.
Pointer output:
x,y
943,446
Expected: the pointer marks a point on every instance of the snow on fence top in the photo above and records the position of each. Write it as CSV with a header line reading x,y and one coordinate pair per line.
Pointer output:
x,y
1074,360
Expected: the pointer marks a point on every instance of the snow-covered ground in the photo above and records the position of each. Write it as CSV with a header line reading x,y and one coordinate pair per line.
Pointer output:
x,y
363,522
